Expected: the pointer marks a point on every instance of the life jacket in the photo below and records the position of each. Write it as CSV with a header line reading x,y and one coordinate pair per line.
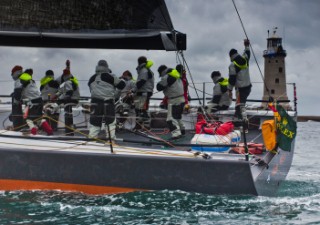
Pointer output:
x,y
45,80
75,81
148,86
48,87
148,65
224,82
174,73
29,86
243,66
217,128
25,77
74,88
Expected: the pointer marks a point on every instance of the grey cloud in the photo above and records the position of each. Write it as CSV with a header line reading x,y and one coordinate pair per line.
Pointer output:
x,y
212,28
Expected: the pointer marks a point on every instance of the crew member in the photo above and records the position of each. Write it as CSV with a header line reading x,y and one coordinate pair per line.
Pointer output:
x,y
239,77
164,103
102,87
172,87
16,115
126,95
68,94
26,91
48,88
144,90
220,99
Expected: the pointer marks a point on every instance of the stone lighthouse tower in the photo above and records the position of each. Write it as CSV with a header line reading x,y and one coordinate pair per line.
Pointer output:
x,y
275,70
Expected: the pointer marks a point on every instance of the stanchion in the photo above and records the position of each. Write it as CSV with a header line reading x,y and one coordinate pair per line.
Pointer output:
x,y
110,140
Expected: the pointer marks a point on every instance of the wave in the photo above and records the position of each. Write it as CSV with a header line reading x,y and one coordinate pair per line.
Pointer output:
x,y
163,207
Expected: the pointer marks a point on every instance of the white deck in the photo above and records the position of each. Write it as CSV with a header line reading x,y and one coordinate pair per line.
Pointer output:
x,y
95,147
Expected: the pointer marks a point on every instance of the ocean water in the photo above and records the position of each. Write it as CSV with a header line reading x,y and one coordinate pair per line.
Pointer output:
x,y
298,200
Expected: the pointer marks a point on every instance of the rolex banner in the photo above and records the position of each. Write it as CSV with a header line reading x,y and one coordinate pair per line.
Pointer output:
x,y
286,129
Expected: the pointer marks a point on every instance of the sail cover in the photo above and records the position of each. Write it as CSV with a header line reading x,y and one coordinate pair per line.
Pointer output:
x,y
111,24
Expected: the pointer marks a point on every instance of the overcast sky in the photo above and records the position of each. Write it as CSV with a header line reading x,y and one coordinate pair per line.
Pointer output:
x,y
212,28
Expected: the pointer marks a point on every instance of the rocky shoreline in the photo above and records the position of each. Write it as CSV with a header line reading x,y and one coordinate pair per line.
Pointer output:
x,y
307,118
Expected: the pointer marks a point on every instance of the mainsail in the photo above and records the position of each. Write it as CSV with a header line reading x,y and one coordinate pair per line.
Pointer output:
x,y
107,24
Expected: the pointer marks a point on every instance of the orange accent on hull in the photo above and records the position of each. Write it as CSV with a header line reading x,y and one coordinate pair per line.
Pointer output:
x,y
15,185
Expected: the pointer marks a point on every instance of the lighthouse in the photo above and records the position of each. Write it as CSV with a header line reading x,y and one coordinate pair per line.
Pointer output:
x,y
275,71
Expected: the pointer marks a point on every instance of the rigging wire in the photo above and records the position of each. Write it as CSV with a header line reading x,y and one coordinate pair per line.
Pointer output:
x,y
191,77
185,64
174,40
254,56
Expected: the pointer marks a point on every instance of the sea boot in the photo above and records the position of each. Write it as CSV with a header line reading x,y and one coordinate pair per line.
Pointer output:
x,y
146,120
94,131
46,127
182,127
238,114
16,116
54,122
175,130
243,112
245,119
33,128
176,134
139,121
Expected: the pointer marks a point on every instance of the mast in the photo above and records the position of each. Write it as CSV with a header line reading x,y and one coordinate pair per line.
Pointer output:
x,y
274,70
